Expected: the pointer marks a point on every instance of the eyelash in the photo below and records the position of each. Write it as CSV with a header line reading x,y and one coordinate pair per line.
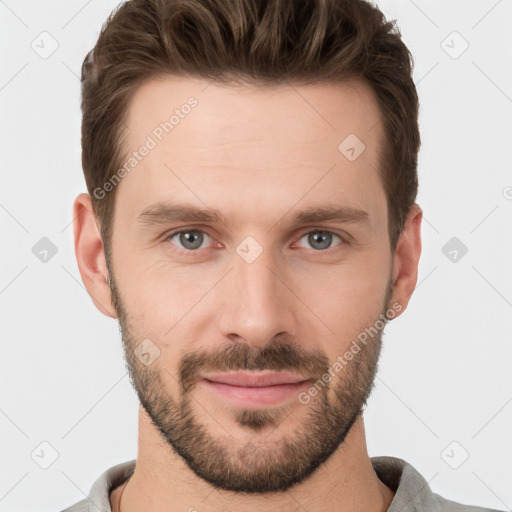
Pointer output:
x,y
194,252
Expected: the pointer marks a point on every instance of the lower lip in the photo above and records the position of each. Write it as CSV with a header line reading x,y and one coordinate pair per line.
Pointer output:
x,y
247,396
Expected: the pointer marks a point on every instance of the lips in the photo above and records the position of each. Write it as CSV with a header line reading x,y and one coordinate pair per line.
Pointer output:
x,y
255,379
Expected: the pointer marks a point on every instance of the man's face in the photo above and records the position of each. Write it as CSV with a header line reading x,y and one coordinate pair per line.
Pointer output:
x,y
260,291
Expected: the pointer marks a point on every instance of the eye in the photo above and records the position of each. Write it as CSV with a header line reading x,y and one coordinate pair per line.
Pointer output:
x,y
320,240
190,239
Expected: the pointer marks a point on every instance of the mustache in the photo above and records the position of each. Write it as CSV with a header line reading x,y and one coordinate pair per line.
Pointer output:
x,y
277,356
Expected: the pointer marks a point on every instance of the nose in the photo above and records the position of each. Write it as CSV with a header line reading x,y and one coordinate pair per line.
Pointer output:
x,y
257,302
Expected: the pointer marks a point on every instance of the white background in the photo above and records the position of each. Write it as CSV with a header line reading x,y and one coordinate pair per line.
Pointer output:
x,y
445,369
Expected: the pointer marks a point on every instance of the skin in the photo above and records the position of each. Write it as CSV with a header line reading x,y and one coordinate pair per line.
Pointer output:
x,y
258,156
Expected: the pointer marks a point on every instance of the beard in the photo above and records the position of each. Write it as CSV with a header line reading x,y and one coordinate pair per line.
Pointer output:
x,y
258,466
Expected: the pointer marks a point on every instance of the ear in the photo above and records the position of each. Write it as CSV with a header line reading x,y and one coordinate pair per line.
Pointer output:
x,y
90,255
406,259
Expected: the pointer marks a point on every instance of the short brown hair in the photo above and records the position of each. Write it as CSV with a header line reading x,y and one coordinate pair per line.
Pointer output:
x,y
257,42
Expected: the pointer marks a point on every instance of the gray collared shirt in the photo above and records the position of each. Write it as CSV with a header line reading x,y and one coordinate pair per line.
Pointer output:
x,y
412,492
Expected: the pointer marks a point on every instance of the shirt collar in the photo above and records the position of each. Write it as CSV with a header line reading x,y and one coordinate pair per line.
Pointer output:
x,y
412,492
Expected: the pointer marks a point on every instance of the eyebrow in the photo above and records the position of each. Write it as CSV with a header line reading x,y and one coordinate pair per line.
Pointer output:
x,y
164,213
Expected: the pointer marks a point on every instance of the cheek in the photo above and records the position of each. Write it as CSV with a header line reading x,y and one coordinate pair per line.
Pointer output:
x,y
167,303
346,299
163,297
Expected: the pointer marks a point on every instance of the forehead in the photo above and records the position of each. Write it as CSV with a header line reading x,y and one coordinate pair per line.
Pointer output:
x,y
273,143
241,112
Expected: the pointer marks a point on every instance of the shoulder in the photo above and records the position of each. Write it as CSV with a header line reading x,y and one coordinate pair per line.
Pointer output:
x,y
445,505
99,495
412,492
81,506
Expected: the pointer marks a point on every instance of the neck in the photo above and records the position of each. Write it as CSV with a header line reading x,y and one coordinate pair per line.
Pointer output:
x,y
163,482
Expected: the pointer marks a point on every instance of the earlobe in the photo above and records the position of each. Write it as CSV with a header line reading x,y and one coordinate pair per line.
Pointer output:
x,y
90,255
